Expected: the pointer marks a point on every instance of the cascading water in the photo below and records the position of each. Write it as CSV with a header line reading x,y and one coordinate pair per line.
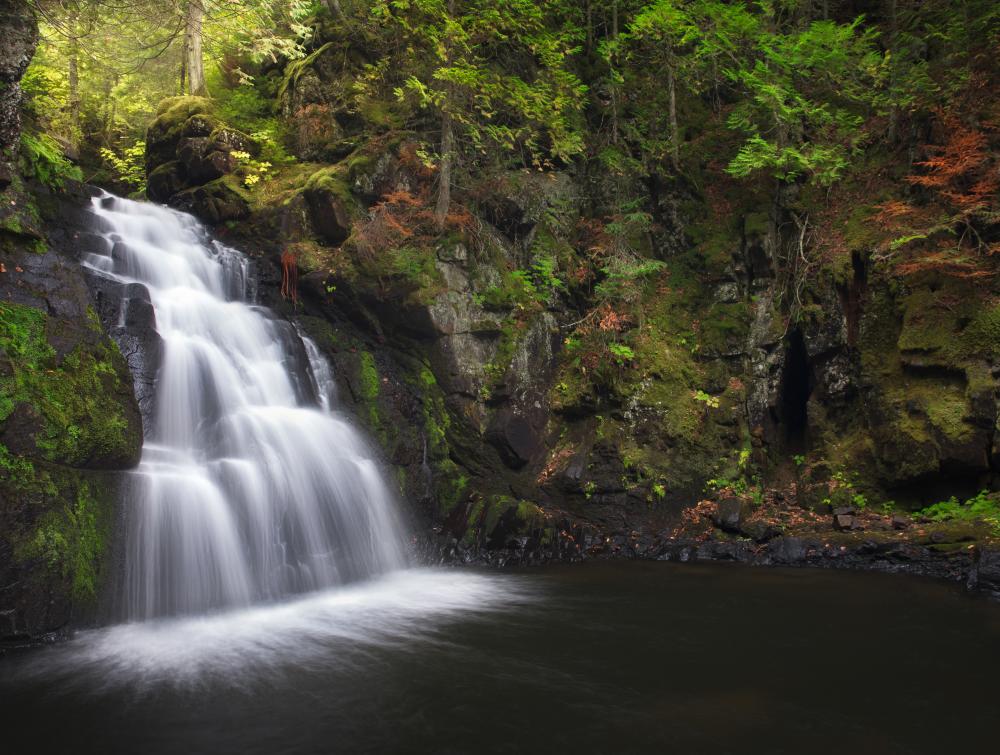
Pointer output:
x,y
250,488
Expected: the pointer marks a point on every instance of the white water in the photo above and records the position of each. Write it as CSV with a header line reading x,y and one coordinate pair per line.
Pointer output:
x,y
332,630
251,488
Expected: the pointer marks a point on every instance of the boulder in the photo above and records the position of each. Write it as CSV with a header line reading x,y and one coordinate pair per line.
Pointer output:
x,y
215,202
329,215
189,153
900,522
515,437
730,514
17,45
165,181
760,531
844,522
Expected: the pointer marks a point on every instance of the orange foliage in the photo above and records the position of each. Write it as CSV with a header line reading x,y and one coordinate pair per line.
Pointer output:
x,y
960,169
961,182
404,217
610,321
289,276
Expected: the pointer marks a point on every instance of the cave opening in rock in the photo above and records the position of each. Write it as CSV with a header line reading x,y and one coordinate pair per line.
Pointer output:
x,y
796,387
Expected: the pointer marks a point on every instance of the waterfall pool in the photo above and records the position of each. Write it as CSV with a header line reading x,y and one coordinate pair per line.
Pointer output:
x,y
609,657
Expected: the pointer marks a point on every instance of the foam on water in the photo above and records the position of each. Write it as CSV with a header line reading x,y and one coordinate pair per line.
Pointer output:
x,y
333,630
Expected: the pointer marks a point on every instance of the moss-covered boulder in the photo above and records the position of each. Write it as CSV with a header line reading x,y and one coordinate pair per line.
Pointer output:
x,y
190,154
177,118
216,202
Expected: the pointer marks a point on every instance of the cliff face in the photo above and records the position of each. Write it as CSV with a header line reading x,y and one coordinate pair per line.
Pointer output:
x,y
522,421
17,45
68,420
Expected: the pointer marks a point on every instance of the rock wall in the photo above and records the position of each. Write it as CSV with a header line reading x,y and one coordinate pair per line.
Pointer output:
x,y
68,420
17,45
518,416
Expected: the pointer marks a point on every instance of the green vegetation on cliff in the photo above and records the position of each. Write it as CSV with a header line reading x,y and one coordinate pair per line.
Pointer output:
x,y
70,401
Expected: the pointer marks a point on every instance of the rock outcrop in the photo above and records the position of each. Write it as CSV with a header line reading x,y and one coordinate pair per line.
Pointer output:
x,y
190,160
68,420
17,45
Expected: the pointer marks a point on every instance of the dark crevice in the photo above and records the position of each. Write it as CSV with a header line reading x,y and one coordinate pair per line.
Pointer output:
x,y
796,387
852,297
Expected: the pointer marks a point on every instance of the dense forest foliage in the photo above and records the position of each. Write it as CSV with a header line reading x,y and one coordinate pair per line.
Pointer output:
x,y
801,101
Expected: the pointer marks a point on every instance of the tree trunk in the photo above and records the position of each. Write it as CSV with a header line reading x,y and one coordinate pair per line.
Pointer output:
x,y
614,19
590,27
192,41
107,112
334,7
183,76
893,49
674,131
444,179
73,75
447,148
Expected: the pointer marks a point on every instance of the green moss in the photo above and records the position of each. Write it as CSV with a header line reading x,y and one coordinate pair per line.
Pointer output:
x,y
982,336
472,522
65,542
11,223
530,515
860,232
357,164
381,114
929,325
22,477
172,115
950,325
520,517
947,408
436,419
450,485
449,481
179,109
724,328
71,542
74,399
510,333
331,179
369,386
295,69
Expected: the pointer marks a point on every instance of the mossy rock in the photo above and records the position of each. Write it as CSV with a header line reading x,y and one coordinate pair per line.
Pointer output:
x,y
165,181
219,201
56,527
948,326
503,522
177,117
68,410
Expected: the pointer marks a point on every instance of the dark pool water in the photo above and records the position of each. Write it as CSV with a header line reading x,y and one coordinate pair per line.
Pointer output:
x,y
594,658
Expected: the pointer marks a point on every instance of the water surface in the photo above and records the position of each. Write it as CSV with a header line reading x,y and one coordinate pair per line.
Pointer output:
x,y
592,658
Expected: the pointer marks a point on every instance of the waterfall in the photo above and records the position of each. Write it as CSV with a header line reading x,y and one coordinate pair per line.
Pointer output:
x,y
251,487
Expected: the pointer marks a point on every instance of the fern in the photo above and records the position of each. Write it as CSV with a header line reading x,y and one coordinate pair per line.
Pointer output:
x,y
45,161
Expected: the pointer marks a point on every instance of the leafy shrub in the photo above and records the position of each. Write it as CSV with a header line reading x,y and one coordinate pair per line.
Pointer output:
x,y
130,166
45,160
982,507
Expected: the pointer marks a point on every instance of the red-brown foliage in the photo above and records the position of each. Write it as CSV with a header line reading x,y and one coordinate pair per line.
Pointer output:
x,y
403,217
957,206
289,276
